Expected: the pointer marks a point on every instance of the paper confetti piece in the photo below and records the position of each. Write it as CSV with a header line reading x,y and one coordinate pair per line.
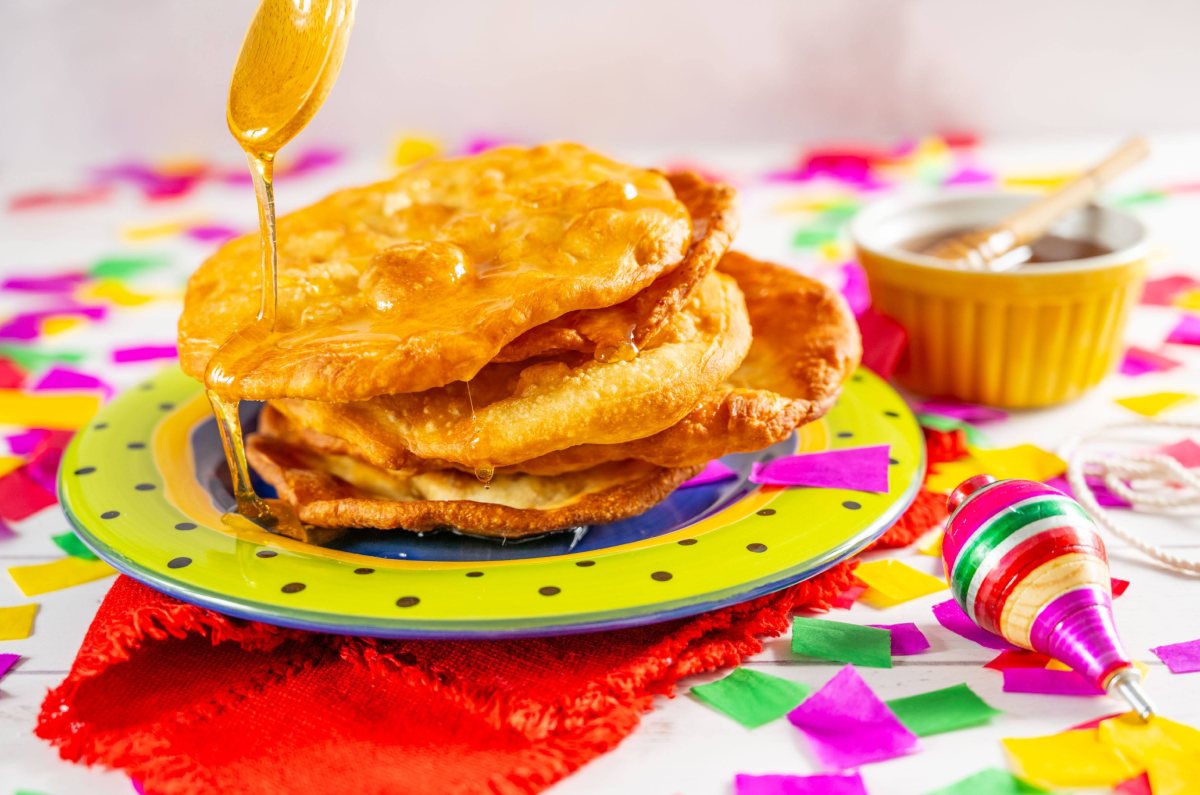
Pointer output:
x,y
893,582
1069,759
1017,658
1135,786
907,638
967,412
144,353
952,617
937,422
62,283
60,378
125,267
992,781
856,469
28,325
1048,682
1044,182
854,288
713,472
1180,658
846,724
40,578
931,543
69,543
1095,485
846,599
1186,331
38,410
7,661
752,698
883,341
1142,740
1189,300
16,623
969,176
11,376
1186,452
40,200
6,532
1163,291
26,442
36,358
1119,586
114,292
1139,361
1025,461
940,711
60,324
139,233
21,496
1155,403
212,233
411,149
848,783
841,642
10,462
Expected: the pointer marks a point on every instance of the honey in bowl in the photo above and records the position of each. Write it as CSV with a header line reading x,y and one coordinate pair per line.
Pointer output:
x,y
1049,248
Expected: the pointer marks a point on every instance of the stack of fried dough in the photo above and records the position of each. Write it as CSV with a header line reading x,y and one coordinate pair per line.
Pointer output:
x,y
512,343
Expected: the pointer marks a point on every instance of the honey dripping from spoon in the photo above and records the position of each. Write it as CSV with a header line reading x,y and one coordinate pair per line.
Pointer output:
x,y
289,62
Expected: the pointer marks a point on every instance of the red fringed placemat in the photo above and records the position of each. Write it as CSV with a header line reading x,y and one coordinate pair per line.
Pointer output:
x,y
187,701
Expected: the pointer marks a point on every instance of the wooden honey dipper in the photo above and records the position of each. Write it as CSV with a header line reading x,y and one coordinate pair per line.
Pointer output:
x,y
980,249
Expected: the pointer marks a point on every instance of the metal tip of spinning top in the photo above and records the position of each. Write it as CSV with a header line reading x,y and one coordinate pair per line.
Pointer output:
x,y
966,489
1127,683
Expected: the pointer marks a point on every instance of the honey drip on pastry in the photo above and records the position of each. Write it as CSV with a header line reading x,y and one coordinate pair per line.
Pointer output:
x,y
289,61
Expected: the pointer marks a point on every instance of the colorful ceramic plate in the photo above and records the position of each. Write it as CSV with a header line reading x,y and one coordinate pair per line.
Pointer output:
x,y
146,488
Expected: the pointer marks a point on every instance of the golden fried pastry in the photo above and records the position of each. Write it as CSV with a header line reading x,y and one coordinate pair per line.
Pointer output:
x,y
377,284
805,345
513,412
616,332
341,491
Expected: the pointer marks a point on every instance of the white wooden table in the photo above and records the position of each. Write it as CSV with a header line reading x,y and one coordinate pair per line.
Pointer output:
x,y
682,746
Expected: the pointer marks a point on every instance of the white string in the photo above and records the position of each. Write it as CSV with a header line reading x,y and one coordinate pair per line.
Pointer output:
x,y
1150,482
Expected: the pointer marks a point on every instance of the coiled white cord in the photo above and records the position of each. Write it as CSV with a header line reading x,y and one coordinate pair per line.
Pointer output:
x,y
1150,482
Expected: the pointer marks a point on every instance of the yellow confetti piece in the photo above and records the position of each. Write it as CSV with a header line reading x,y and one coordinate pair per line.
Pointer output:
x,y
1142,741
893,582
1069,759
1046,182
58,574
412,149
1025,461
57,324
832,252
16,623
114,292
813,204
1156,403
931,543
1188,299
8,463
1055,665
134,234
59,412
1174,775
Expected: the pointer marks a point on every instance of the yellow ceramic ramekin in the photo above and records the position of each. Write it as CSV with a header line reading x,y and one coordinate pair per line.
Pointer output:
x,y
1041,334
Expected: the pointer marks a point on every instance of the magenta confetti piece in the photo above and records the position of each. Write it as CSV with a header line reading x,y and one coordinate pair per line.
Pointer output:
x,y
969,176
1096,485
713,472
854,287
43,468
65,378
137,786
846,724
1048,681
7,661
1139,361
6,532
906,638
63,283
856,469
144,353
849,783
28,325
153,183
1162,292
952,617
1185,452
212,233
1180,658
1186,331
482,143
26,442
967,412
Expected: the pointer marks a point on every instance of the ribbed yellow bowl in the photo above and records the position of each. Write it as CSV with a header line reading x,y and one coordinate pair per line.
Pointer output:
x,y
1039,335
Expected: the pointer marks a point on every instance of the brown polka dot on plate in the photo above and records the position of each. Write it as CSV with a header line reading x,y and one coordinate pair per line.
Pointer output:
x,y
756,547
661,576
407,601
549,590
293,587
178,563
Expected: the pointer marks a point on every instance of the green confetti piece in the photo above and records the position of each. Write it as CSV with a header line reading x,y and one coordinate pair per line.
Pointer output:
x,y
31,359
815,236
841,642
840,212
752,698
124,267
69,542
992,781
945,710
1145,197
938,422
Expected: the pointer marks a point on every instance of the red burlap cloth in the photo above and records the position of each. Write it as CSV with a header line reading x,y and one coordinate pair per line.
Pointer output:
x,y
189,701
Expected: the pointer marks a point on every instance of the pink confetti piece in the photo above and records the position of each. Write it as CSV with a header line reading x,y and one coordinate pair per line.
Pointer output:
x,y
883,340
62,283
907,638
1180,658
1186,331
315,158
1162,292
1048,681
856,469
144,353
42,200
846,724
846,599
65,378
1118,586
952,617
1094,722
11,376
849,783
42,469
1135,786
966,412
713,472
1186,452
1096,485
854,287
212,233
969,176
21,496
7,661
28,325
153,183
1139,361
1017,658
